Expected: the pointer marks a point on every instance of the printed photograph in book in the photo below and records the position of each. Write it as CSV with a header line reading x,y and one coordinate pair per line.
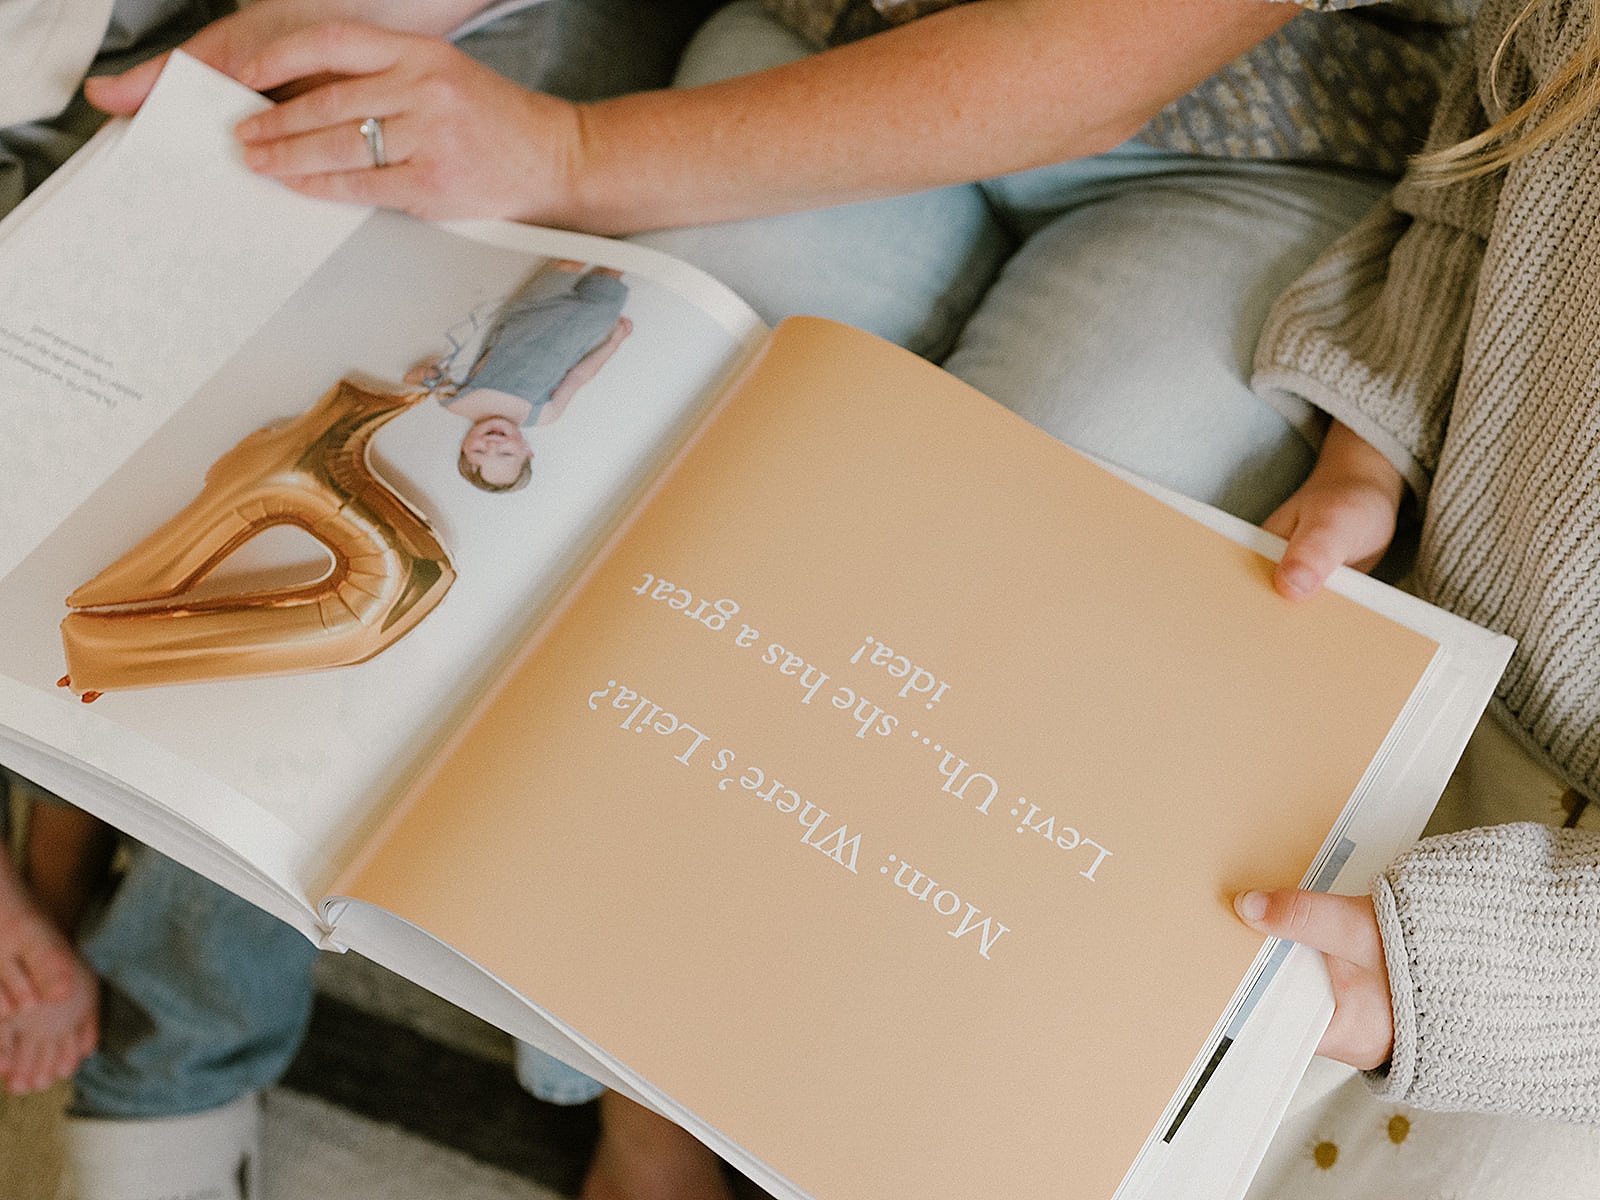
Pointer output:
x,y
176,609
316,505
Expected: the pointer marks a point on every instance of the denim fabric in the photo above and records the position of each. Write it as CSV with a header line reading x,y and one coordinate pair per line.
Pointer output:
x,y
205,997
552,1080
1114,301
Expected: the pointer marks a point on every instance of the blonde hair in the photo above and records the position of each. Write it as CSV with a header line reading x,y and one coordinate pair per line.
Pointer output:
x,y
470,471
1554,108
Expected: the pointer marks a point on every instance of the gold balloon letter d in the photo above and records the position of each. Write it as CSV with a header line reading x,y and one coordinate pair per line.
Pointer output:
x,y
140,622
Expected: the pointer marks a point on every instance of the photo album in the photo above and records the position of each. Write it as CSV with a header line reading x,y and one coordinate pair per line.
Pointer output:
x,y
759,719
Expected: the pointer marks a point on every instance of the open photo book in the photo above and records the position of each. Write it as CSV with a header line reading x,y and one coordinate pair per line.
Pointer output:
x,y
807,746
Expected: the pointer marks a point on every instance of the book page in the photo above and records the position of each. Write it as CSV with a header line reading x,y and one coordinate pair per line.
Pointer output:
x,y
285,767
134,285
896,747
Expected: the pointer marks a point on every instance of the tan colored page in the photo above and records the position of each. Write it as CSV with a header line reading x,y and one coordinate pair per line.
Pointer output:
x,y
880,798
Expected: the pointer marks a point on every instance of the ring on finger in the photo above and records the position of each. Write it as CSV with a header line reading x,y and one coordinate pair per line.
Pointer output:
x,y
372,130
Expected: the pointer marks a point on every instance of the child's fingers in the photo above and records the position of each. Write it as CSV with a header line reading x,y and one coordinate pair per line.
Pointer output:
x,y
85,1038
51,974
1315,551
23,1067
1342,926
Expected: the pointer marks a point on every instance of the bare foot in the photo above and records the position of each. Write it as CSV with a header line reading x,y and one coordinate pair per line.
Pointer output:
x,y
36,961
44,1043
643,1156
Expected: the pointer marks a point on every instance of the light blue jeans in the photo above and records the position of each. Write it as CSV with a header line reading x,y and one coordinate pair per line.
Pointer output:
x,y
204,997
1113,301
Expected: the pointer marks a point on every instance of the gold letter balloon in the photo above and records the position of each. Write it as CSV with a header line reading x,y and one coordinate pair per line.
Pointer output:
x,y
143,623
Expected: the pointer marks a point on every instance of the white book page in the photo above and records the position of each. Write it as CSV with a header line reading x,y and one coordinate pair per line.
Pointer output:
x,y
131,287
285,770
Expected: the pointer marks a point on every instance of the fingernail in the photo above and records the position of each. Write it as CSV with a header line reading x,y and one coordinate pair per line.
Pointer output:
x,y
1299,580
1251,906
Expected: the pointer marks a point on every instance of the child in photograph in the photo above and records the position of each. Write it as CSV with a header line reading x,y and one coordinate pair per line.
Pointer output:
x,y
548,339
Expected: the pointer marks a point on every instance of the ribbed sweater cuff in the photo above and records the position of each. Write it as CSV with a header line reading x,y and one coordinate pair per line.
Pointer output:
x,y
1372,335
1393,1080
1492,939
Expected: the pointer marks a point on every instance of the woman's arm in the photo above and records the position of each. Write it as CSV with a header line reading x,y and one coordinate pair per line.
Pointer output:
x,y
982,89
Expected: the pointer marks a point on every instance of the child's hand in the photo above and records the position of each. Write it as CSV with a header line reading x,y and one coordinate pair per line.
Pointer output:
x,y
1345,929
428,373
459,139
1343,514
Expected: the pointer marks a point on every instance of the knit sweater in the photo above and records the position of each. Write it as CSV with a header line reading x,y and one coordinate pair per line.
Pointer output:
x,y
1458,330
1349,82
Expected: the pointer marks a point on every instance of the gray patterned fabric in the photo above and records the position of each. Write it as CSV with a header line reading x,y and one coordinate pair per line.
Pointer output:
x,y
1354,87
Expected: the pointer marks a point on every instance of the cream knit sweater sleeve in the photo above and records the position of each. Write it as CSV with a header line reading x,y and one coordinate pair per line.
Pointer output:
x,y
1373,333
1458,329
1493,945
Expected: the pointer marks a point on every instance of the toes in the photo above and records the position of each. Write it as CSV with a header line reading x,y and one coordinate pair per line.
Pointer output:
x,y
16,987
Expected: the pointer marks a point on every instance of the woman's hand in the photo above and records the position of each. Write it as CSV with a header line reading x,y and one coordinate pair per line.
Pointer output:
x,y
459,140
229,42
1345,929
1343,514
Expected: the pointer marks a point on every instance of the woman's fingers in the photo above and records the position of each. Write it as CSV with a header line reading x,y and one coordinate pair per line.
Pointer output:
x,y
332,49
